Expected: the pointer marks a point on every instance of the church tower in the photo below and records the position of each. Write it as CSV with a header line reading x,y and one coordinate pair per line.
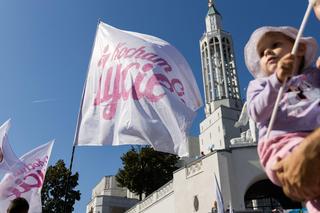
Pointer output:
x,y
221,88
218,65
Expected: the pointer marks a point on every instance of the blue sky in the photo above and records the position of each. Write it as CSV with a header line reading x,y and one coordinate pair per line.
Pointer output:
x,y
45,47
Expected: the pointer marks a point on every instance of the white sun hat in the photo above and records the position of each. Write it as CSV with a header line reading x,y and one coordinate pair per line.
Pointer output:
x,y
251,54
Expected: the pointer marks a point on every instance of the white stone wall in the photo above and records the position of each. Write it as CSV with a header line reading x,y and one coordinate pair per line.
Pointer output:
x,y
211,132
246,168
236,170
96,205
110,204
108,186
194,180
218,129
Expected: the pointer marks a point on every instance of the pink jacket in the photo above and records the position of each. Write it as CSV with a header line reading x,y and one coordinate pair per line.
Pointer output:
x,y
299,109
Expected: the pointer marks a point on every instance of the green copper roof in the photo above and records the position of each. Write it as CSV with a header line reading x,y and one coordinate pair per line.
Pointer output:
x,y
213,11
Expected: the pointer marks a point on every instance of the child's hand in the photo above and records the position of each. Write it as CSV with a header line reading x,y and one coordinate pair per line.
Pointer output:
x,y
285,67
316,9
318,63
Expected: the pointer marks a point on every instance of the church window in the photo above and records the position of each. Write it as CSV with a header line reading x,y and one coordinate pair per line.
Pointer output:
x,y
265,197
196,203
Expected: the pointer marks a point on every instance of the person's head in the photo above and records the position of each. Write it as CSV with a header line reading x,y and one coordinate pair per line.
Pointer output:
x,y
18,205
267,45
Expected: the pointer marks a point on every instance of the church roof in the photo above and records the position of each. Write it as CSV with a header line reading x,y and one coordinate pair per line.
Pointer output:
x,y
213,11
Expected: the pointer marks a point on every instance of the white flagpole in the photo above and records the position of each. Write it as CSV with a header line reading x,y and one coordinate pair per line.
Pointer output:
x,y
293,52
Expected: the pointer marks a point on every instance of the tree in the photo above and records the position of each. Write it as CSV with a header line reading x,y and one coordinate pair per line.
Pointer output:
x,y
53,190
146,170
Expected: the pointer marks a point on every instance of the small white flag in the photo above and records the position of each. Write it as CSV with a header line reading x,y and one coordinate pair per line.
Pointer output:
x,y
7,157
219,198
25,179
230,207
139,90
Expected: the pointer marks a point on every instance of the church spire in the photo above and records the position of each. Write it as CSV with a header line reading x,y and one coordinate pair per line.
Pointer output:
x,y
213,18
218,65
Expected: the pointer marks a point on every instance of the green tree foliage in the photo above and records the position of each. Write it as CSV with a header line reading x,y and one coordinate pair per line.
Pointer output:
x,y
53,190
145,170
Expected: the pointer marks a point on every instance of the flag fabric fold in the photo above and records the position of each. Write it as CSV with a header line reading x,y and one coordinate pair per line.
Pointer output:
x,y
25,179
139,90
7,157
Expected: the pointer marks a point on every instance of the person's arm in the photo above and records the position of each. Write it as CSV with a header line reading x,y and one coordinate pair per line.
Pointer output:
x,y
261,96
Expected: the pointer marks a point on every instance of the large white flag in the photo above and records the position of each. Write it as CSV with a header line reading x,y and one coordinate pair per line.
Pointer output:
x,y
139,90
25,179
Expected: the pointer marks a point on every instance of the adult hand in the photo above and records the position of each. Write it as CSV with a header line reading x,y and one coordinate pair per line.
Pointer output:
x,y
318,63
316,9
299,172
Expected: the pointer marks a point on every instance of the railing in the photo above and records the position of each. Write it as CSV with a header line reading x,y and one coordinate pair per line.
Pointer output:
x,y
153,198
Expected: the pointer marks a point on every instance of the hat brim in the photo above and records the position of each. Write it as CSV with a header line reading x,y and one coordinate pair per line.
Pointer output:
x,y
251,54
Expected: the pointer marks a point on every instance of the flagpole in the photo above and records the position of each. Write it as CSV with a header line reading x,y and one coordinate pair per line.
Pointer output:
x,y
77,129
68,179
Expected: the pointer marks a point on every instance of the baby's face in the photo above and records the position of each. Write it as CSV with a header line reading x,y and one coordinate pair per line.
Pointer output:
x,y
271,48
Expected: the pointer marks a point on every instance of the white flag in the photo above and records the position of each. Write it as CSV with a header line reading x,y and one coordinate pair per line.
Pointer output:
x,y
7,156
139,90
26,179
219,198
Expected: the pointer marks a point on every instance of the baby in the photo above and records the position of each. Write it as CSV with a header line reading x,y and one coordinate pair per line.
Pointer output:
x,y
269,59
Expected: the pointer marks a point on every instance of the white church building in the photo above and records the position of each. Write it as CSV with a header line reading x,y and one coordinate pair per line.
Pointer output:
x,y
227,152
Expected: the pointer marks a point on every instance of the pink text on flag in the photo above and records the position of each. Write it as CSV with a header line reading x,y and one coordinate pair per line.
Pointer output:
x,y
143,85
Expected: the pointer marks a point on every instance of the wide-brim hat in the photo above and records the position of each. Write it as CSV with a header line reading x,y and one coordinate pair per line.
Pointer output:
x,y
251,54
